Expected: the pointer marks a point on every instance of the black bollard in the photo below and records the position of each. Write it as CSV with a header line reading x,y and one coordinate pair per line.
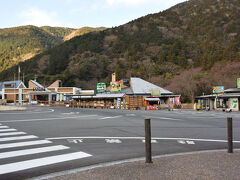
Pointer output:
x,y
230,135
148,148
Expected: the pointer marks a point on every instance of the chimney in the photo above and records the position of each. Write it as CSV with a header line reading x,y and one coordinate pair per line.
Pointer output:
x,y
113,77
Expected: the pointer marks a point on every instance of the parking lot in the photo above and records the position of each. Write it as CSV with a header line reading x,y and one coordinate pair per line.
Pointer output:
x,y
48,139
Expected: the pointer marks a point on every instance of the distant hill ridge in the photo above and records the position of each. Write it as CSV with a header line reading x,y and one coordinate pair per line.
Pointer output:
x,y
186,49
21,43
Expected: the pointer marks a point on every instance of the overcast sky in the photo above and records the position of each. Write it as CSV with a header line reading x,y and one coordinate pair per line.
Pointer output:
x,y
77,13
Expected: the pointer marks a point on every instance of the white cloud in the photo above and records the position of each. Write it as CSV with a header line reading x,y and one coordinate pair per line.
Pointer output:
x,y
166,3
126,2
38,17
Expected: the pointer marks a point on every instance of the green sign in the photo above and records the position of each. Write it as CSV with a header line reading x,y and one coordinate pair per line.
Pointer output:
x,y
101,87
238,82
233,104
155,92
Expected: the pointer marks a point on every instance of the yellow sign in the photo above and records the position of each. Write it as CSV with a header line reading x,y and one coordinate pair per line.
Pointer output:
x,y
116,86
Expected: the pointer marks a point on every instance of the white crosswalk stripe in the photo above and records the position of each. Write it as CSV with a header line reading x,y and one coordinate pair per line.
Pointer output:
x,y
15,159
3,127
12,133
21,144
7,130
32,151
22,165
17,138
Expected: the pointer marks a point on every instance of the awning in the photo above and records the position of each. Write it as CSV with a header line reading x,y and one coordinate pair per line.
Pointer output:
x,y
152,99
100,96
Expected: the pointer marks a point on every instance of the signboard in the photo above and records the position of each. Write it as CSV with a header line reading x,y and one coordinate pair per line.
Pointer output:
x,y
155,92
233,104
238,82
218,89
177,101
115,86
101,87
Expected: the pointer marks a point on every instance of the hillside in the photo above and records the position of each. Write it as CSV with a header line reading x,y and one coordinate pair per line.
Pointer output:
x,y
82,31
21,43
191,43
59,32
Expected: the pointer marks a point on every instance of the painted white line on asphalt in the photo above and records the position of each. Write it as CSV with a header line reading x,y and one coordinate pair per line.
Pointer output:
x,y
111,117
31,112
113,141
130,114
75,141
1,127
166,118
17,138
68,113
152,141
21,144
22,165
190,142
49,119
157,138
6,130
181,142
12,133
32,151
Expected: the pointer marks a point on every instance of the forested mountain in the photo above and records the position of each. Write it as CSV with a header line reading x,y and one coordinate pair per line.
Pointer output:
x,y
59,32
22,43
186,49
82,31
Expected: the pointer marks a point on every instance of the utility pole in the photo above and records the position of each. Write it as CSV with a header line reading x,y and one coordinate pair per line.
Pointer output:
x,y
14,95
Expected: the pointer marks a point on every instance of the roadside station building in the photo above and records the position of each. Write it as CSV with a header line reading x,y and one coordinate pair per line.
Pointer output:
x,y
227,99
134,93
17,92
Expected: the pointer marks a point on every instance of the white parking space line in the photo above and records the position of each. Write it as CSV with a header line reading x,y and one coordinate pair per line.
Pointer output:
x,y
49,119
7,130
29,112
130,114
22,165
1,127
17,138
12,133
21,144
166,118
32,151
111,117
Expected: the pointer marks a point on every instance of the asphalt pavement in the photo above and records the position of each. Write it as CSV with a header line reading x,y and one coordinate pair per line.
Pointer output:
x,y
45,140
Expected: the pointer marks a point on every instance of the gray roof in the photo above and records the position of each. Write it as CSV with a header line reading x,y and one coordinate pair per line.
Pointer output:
x,y
232,90
140,86
127,91
37,84
16,84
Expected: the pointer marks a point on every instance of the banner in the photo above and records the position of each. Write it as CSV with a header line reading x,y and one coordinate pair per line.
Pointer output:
x,y
116,86
218,89
101,87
